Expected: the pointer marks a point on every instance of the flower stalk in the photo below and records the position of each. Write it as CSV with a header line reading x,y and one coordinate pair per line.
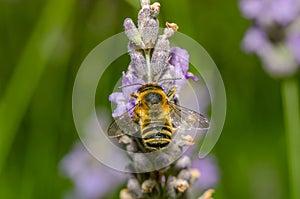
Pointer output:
x,y
275,38
290,99
148,62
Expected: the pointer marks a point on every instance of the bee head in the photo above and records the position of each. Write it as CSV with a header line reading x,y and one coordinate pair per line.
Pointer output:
x,y
153,98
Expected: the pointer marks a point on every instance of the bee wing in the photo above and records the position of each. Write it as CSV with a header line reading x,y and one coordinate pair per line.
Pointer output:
x,y
187,119
123,125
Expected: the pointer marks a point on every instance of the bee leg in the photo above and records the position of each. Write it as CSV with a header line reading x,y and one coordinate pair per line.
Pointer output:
x,y
171,93
133,95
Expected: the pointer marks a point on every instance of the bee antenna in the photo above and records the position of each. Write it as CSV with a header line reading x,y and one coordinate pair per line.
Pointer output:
x,y
135,84
170,79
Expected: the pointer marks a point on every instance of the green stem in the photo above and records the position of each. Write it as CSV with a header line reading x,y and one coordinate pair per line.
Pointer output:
x,y
148,61
290,98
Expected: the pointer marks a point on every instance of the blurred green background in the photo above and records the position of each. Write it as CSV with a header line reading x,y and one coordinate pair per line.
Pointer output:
x,y
42,45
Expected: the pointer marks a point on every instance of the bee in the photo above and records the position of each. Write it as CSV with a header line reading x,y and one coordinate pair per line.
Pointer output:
x,y
155,118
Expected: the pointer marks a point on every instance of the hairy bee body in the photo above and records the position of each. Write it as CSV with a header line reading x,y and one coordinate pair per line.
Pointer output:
x,y
155,117
152,115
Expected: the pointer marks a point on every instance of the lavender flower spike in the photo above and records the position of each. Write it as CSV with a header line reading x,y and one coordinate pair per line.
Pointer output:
x,y
162,173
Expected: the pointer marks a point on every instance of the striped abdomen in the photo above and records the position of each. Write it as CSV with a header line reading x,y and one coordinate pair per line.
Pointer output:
x,y
156,133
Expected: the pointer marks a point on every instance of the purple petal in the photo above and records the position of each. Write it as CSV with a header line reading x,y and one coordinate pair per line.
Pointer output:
x,y
97,182
180,59
192,76
293,43
92,179
278,60
92,184
284,11
209,172
116,97
120,109
251,8
129,79
254,40
74,162
123,99
138,65
119,99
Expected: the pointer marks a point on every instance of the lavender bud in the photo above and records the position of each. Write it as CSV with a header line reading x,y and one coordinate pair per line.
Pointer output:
x,y
132,33
160,56
183,163
171,187
207,194
148,186
186,140
125,139
195,174
185,175
162,160
141,162
172,26
293,42
190,175
181,185
279,60
171,29
149,32
173,151
145,3
138,62
125,194
132,147
255,40
155,8
143,17
169,74
133,185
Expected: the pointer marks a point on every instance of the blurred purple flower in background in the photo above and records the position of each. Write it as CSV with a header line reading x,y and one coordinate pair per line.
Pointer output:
x,y
267,12
92,180
274,35
275,38
293,43
255,40
209,172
